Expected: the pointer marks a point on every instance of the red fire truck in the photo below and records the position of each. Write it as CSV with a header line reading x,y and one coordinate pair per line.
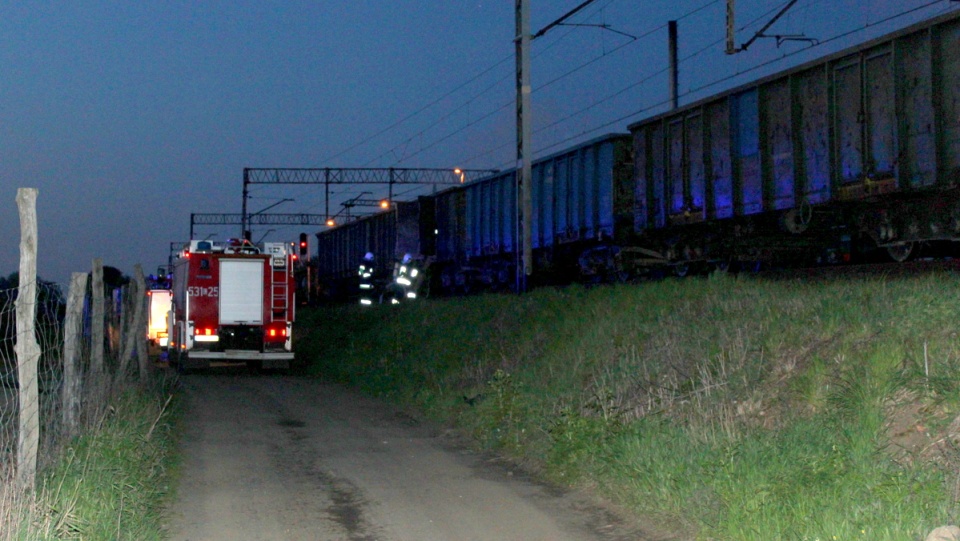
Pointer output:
x,y
232,303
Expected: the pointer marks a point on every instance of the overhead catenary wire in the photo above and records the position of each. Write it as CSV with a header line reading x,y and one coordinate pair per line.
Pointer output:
x,y
434,142
646,109
407,141
418,111
510,103
648,78
505,79
651,76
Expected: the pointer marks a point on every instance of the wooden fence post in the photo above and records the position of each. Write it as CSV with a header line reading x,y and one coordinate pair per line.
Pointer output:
x,y
96,322
126,350
27,348
72,336
140,326
134,327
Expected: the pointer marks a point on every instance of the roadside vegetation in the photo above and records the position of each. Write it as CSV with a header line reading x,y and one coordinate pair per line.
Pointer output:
x,y
110,482
715,408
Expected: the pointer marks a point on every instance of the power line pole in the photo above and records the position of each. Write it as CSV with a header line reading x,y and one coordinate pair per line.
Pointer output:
x,y
524,146
524,169
674,74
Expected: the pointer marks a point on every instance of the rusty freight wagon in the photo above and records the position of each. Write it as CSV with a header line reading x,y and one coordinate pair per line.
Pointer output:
x,y
857,153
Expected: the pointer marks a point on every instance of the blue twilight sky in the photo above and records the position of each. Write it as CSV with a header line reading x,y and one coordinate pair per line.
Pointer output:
x,y
128,116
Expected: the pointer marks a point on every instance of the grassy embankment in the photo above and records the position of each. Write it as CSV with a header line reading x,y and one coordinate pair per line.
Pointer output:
x,y
718,408
112,480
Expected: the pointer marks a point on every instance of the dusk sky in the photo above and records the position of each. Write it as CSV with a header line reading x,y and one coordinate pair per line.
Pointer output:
x,y
128,116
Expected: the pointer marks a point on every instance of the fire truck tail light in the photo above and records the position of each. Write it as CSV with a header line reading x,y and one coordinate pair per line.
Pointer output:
x,y
277,332
206,335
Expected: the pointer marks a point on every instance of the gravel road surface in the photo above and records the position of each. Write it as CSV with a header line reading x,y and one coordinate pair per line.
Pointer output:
x,y
286,458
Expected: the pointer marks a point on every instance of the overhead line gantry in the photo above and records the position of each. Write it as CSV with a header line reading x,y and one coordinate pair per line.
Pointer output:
x,y
255,219
353,175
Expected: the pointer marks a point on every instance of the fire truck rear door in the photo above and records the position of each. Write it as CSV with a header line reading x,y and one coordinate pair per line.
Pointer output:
x,y
241,291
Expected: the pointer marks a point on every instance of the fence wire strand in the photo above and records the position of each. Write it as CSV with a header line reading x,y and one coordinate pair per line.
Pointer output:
x,y
86,398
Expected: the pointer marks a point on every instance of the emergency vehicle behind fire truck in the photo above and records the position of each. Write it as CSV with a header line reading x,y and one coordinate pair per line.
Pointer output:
x,y
233,303
159,301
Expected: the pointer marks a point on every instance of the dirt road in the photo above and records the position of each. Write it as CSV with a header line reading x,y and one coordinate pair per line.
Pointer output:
x,y
285,458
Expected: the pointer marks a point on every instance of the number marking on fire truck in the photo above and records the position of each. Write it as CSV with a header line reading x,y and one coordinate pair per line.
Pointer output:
x,y
200,291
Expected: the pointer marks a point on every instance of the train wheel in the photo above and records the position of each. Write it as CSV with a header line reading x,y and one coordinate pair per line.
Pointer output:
x,y
681,271
797,221
900,252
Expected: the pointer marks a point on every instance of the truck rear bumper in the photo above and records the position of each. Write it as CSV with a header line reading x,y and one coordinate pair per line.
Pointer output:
x,y
279,359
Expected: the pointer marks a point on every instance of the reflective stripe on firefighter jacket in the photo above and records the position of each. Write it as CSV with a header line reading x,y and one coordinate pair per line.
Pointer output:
x,y
407,278
365,273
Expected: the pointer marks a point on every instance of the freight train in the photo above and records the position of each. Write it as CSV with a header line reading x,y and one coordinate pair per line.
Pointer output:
x,y
837,160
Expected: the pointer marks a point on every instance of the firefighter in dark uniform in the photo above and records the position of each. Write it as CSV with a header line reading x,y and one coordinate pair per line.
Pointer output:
x,y
366,280
407,278
394,291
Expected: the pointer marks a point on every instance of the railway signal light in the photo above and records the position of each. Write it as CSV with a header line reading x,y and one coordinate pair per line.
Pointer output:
x,y
303,244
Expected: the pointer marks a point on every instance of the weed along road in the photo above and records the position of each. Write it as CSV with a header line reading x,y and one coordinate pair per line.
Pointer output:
x,y
285,458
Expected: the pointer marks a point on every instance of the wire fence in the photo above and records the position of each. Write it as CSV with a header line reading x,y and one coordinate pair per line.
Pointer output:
x,y
62,360
80,384
49,376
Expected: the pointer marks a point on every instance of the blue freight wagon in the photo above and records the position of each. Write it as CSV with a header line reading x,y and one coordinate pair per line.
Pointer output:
x,y
582,202
854,154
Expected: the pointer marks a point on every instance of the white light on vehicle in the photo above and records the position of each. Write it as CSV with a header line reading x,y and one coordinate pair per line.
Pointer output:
x,y
366,302
404,281
206,338
413,273
394,301
411,295
366,286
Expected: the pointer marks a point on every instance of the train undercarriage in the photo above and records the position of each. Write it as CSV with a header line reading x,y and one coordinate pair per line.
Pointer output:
x,y
894,227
